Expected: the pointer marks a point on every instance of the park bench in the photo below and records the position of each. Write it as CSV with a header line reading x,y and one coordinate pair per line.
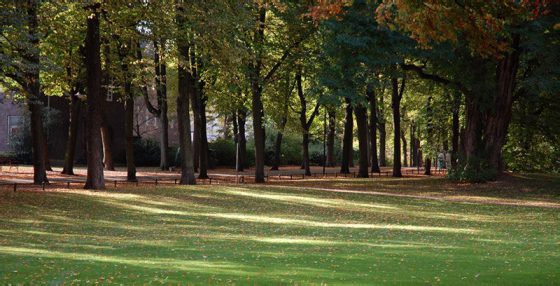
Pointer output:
x,y
8,162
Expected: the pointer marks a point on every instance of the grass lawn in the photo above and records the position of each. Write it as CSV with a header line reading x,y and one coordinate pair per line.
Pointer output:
x,y
262,235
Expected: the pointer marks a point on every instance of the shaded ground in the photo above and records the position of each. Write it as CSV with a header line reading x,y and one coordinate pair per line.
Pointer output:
x,y
247,235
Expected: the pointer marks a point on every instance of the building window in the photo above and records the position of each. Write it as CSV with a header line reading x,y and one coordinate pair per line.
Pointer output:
x,y
15,125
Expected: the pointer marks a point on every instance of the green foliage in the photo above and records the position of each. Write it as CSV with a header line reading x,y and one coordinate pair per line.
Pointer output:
x,y
146,152
475,170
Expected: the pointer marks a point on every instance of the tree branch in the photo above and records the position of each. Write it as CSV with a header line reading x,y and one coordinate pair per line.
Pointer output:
x,y
436,78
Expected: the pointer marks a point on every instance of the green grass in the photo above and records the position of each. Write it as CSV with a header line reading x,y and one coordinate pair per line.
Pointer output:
x,y
251,235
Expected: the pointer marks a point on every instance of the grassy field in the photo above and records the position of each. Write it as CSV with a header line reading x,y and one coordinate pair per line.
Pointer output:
x,y
262,235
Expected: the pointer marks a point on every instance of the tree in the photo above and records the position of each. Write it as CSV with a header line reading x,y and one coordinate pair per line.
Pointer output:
x,y
95,178
20,69
186,84
396,97
304,121
373,122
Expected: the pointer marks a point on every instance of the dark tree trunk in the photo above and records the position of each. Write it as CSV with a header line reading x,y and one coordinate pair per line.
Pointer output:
x,y
361,121
196,126
347,139
373,128
455,129
430,135
382,133
161,91
241,120
106,140
95,178
186,89
330,139
428,167
128,133
203,152
305,122
68,167
128,115
32,86
257,104
395,103
164,121
498,118
404,148
413,147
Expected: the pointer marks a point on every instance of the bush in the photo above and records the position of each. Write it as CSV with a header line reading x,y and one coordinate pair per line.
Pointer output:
x,y
222,152
477,170
146,152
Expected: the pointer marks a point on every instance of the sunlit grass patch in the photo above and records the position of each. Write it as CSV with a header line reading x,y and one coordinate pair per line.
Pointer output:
x,y
263,235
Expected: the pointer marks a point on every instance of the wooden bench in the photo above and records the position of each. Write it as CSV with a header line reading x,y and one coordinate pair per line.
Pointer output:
x,y
9,162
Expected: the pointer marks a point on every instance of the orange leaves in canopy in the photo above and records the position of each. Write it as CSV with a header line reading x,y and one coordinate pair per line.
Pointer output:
x,y
481,24
324,9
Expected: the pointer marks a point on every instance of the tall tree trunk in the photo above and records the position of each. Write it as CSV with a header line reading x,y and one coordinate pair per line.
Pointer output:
x,y
33,89
186,89
128,133
95,177
347,139
241,120
196,126
330,138
106,140
203,167
413,148
68,167
455,129
498,118
373,128
361,121
161,91
48,166
278,142
404,148
395,103
257,104
429,133
304,121
124,50
382,132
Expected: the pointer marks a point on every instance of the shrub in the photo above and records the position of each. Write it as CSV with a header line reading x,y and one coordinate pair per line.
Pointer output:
x,y
146,152
476,170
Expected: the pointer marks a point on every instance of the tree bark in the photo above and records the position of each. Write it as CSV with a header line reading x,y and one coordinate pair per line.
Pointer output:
x,y
241,122
347,138
68,167
305,122
498,118
185,89
413,147
455,129
161,90
203,166
395,103
361,121
95,177
33,88
257,105
429,131
48,166
196,125
330,139
373,128
404,148
106,140
382,133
